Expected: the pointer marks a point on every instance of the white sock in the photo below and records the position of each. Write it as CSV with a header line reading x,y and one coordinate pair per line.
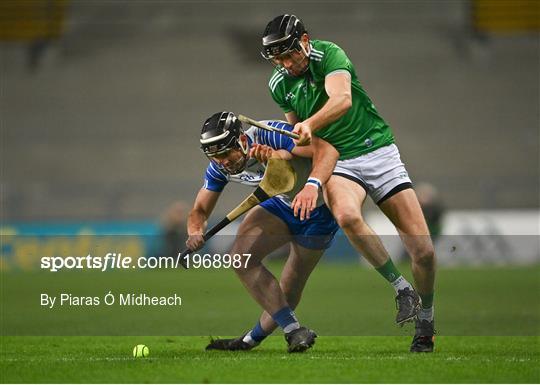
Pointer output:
x,y
290,327
426,314
248,340
401,283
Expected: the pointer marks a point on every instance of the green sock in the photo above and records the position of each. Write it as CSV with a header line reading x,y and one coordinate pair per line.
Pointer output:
x,y
389,271
427,300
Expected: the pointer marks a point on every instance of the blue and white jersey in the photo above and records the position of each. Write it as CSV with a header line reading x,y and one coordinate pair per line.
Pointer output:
x,y
216,178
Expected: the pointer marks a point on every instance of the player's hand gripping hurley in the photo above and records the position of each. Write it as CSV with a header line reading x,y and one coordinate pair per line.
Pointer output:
x,y
278,178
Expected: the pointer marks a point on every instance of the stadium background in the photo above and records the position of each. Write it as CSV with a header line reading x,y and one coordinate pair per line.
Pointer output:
x,y
101,106
102,102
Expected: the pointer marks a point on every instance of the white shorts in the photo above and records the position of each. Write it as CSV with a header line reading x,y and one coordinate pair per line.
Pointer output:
x,y
381,172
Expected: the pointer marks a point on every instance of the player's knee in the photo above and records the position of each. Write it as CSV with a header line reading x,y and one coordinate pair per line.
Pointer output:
x,y
425,257
348,219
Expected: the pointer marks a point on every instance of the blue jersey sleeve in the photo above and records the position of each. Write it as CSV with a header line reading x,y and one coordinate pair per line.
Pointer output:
x,y
275,140
214,178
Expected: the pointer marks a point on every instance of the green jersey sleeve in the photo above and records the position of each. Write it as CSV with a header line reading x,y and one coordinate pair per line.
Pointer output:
x,y
336,59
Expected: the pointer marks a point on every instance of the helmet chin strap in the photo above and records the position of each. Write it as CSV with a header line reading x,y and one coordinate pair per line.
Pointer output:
x,y
306,53
304,50
243,147
241,163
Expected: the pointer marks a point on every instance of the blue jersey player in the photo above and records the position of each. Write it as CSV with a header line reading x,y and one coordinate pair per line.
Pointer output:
x,y
238,155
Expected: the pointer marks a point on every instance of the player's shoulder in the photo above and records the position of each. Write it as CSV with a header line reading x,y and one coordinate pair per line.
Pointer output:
x,y
321,45
277,78
322,48
252,133
214,171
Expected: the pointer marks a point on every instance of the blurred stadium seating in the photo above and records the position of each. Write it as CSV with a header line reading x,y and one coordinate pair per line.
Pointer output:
x,y
105,128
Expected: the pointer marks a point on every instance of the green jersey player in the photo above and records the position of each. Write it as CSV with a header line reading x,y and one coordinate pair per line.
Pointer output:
x,y
316,85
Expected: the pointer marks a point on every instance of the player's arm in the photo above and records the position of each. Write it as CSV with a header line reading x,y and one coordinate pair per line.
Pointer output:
x,y
263,152
279,146
198,217
325,157
292,118
338,89
272,144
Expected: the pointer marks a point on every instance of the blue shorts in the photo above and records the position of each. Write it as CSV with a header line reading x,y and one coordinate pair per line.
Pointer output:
x,y
317,232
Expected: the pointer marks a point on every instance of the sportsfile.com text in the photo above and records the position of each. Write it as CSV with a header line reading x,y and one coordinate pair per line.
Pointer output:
x,y
113,261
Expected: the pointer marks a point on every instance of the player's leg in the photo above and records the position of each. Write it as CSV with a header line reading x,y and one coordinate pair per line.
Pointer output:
x,y
406,214
296,272
310,239
258,235
345,196
261,232
294,276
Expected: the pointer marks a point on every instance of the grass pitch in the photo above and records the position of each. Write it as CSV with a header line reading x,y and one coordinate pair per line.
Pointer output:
x,y
332,359
487,320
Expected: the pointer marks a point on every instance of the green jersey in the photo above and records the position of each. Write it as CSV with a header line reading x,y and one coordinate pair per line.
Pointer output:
x,y
360,130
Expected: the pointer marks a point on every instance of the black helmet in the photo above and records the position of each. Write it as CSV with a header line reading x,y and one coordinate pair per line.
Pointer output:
x,y
220,133
282,34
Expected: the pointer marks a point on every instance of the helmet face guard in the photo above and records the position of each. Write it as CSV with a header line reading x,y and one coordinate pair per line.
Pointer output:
x,y
271,49
218,145
281,37
238,165
221,134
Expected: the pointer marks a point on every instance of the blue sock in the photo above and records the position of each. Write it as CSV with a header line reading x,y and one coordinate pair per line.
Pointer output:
x,y
286,319
257,333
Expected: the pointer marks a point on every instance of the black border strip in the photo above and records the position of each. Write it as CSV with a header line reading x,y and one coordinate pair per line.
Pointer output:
x,y
260,194
395,190
350,177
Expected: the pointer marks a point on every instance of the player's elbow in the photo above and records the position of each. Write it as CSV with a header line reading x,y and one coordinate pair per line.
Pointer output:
x,y
347,102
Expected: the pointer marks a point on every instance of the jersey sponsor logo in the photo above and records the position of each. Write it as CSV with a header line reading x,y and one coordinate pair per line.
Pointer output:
x,y
250,177
368,142
289,96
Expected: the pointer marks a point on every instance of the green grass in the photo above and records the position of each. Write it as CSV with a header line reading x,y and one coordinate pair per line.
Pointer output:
x,y
333,359
339,299
488,321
